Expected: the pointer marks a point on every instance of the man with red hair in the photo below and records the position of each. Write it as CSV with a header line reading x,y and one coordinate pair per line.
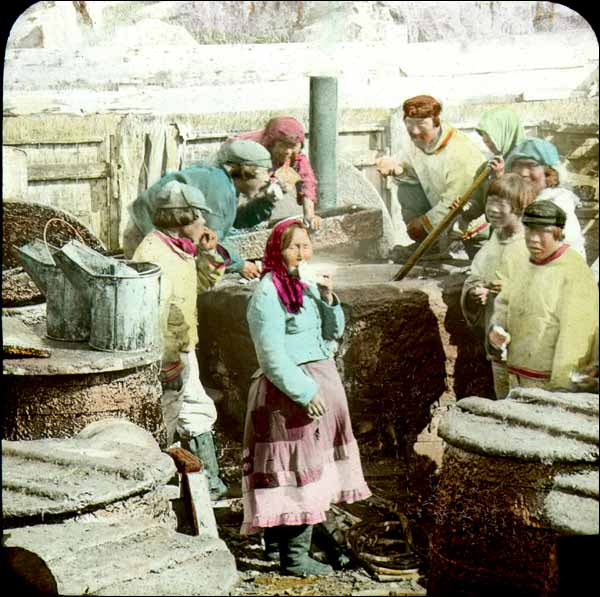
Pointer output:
x,y
438,166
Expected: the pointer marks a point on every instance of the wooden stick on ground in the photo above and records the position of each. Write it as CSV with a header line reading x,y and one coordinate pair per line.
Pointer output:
x,y
435,233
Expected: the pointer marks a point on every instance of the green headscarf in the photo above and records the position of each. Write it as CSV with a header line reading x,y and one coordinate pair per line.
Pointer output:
x,y
503,127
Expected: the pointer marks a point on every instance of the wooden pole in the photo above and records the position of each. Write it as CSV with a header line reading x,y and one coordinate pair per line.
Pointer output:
x,y
435,233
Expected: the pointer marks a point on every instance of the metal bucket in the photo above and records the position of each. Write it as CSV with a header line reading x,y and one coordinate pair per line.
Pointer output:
x,y
67,308
123,296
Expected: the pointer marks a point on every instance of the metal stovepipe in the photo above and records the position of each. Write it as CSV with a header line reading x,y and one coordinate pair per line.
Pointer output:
x,y
323,138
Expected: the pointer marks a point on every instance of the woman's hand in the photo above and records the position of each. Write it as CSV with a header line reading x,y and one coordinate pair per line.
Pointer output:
x,y
250,270
325,286
316,407
208,240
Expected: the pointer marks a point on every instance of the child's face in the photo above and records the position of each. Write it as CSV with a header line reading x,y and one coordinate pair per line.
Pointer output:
x,y
283,151
541,241
489,143
499,213
532,171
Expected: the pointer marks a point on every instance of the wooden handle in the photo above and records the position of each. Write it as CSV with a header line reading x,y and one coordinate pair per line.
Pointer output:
x,y
435,233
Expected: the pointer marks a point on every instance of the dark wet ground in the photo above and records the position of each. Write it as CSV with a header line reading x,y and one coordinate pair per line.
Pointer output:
x,y
386,478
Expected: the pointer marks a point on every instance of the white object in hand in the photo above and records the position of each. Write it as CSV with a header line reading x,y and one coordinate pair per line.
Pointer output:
x,y
274,192
311,273
504,346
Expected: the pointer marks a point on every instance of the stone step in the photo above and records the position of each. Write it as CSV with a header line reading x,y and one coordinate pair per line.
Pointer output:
x,y
549,418
493,437
108,461
137,558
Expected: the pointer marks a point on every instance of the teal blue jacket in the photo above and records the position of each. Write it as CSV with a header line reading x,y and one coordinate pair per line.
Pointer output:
x,y
221,197
283,340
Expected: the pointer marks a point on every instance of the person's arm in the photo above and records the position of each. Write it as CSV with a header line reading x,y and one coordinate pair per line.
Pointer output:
x,y
306,187
210,267
578,321
475,207
254,212
175,332
471,301
458,179
333,321
266,320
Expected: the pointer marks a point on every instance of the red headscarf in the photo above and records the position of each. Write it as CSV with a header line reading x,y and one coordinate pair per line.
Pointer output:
x,y
289,288
284,128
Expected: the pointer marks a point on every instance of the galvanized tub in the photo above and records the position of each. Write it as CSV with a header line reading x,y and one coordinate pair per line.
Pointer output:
x,y
124,298
67,307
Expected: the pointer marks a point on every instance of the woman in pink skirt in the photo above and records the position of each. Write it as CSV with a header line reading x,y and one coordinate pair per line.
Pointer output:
x,y
300,455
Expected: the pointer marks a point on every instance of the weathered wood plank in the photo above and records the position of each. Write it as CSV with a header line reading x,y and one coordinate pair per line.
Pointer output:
x,y
58,128
77,171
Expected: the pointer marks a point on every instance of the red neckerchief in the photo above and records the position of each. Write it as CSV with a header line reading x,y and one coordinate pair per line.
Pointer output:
x,y
552,257
183,244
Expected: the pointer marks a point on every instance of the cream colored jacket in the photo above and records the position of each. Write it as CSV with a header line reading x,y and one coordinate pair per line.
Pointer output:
x,y
551,313
445,172
496,260
179,290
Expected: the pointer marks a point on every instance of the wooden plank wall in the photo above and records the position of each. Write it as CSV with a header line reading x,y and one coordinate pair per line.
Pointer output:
x,y
94,166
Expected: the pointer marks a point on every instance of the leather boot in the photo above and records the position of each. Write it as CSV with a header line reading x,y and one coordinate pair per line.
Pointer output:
x,y
271,537
204,448
294,545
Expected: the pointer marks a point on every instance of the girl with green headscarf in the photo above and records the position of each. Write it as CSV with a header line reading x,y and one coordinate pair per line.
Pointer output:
x,y
501,131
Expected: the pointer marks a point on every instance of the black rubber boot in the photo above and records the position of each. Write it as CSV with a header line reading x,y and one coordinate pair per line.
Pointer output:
x,y
294,545
271,537
335,553
203,446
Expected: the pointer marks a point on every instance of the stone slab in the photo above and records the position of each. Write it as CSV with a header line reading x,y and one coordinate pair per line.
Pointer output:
x,y
137,558
484,435
571,513
18,340
344,229
584,483
108,461
579,402
551,419
74,358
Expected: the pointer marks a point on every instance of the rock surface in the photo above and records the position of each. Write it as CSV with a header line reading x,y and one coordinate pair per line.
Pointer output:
x,y
109,461
137,558
521,472
402,349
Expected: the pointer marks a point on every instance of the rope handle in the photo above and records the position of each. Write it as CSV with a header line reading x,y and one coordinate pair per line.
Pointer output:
x,y
64,222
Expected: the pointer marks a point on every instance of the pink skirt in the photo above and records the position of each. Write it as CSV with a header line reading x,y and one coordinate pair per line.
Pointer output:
x,y
295,467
